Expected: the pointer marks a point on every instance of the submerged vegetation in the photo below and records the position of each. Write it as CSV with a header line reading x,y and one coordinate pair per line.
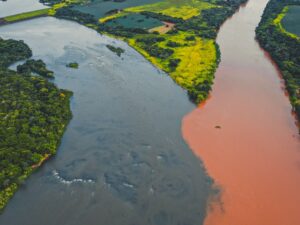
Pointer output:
x,y
119,51
33,116
284,47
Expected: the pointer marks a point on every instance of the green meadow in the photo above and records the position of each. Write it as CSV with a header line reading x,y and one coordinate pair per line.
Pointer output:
x,y
27,15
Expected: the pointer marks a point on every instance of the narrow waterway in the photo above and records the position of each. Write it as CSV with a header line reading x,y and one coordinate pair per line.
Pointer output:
x,y
245,133
13,7
122,160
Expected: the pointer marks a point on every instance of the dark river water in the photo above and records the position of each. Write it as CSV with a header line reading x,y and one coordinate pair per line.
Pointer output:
x,y
122,160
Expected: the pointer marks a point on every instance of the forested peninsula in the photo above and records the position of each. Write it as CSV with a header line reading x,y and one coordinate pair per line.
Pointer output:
x,y
177,36
283,46
33,116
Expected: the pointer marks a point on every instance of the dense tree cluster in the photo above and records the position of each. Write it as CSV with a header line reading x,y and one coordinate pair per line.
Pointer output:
x,y
35,66
283,48
12,51
80,17
204,26
173,44
158,52
173,63
33,117
150,40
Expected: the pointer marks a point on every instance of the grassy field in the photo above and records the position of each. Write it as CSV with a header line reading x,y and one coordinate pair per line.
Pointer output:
x,y
195,60
291,20
198,59
175,8
28,15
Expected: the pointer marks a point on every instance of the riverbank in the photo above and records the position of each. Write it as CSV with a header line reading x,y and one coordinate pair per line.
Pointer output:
x,y
187,52
124,137
284,47
245,132
24,16
34,113
193,53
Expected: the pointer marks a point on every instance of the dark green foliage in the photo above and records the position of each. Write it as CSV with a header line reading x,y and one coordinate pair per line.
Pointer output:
x,y
150,46
151,40
69,14
119,51
36,66
33,117
162,17
156,51
173,63
201,89
121,31
283,49
12,51
134,21
173,44
190,38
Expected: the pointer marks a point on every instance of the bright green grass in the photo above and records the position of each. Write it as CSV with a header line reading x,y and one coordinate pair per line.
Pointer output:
x,y
291,21
184,9
26,15
135,20
198,59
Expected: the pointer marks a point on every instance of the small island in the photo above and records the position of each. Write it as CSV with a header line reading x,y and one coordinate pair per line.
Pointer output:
x,y
73,65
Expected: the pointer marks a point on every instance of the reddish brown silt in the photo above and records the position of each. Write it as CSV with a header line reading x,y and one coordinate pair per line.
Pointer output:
x,y
245,134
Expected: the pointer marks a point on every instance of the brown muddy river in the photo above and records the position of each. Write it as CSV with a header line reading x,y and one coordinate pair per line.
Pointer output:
x,y
246,134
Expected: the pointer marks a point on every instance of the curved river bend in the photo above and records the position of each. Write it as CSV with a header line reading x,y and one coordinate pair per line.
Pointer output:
x,y
245,134
122,159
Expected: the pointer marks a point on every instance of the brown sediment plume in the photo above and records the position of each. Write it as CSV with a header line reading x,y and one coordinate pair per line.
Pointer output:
x,y
246,134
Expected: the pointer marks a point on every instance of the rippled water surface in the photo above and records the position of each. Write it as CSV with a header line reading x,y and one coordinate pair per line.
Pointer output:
x,y
122,158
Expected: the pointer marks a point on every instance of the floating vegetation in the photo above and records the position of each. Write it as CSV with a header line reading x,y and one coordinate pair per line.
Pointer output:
x,y
119,51
73,65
